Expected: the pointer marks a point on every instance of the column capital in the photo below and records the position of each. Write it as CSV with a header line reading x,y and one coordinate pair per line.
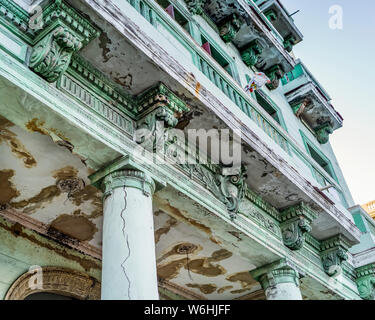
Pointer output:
x,y
275,273
122,173
333,252
127,178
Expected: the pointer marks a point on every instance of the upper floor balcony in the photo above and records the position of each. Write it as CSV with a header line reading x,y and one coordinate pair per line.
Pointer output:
x,y
311,103
282,21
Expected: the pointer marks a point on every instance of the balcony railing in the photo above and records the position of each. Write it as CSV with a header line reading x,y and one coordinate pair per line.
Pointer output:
x,y
221,79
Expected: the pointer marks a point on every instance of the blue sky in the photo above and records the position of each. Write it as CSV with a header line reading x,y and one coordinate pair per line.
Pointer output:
x,y
343,61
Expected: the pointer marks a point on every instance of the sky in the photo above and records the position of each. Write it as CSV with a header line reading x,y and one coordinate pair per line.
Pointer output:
x,y
343,61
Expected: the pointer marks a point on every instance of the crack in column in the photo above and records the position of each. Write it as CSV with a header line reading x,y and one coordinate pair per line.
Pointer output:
x,y
127,241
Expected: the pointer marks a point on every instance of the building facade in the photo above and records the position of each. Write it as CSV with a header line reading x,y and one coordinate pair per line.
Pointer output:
x,y
370,208
106,194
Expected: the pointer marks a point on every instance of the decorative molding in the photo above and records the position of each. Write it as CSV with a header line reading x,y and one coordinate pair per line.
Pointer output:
x,y
229,27
274,73
323,131
196,6
366,281
251,53
64,31
295,223
57,280
333,252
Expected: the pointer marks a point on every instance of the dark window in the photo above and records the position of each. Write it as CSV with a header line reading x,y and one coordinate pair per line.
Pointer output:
x,y
320,160
211,50
267,107
175,14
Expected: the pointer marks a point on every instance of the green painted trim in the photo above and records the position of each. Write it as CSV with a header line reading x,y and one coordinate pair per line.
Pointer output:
x,y
10,37
307,142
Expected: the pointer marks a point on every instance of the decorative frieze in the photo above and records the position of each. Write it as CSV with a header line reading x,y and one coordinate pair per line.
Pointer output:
x,y
274,73
251,53
295,223
64,31
366,281
333,252
229,27
323,132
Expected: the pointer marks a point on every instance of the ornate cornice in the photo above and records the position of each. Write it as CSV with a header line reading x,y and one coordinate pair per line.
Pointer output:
x,y
295,223
289,42
333,252
366,281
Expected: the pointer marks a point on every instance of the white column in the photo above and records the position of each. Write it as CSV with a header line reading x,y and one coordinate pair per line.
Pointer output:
x,y
128,254
279,281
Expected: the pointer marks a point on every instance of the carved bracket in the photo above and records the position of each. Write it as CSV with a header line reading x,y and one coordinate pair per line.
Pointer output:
x,y
160,110
274,73
250,54
64,32
366,281
196,6
333,253
289,42
229,27
323,132
295,224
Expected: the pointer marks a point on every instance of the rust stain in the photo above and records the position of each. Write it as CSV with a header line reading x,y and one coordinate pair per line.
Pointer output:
x,y
181,249
17,148
203,266
77,227
46,195
67,172
244,278
223,289
7,189
166,206
89,193
19,231
165,229
204,288
37,125
197,88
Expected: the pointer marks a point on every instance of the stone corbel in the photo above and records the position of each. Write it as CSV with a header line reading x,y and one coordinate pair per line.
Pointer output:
x,y
366,281
64,32
271,15
333,252
323,132
251,53
159,110
196,6
229,27
295,223
274,73
289,42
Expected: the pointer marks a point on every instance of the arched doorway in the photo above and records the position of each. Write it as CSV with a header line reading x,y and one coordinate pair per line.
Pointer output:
x,y
58,284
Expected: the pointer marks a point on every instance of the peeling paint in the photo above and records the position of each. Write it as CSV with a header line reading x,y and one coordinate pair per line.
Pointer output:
x,y
204,288
7,189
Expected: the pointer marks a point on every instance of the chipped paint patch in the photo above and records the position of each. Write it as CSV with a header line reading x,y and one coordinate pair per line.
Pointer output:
x,y
223,289
244,278
75,226
7,189
204,288
16,147
165,229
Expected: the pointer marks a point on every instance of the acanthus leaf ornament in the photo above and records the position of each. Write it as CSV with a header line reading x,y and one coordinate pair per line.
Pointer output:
x,y
295,224
366,281
334,251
